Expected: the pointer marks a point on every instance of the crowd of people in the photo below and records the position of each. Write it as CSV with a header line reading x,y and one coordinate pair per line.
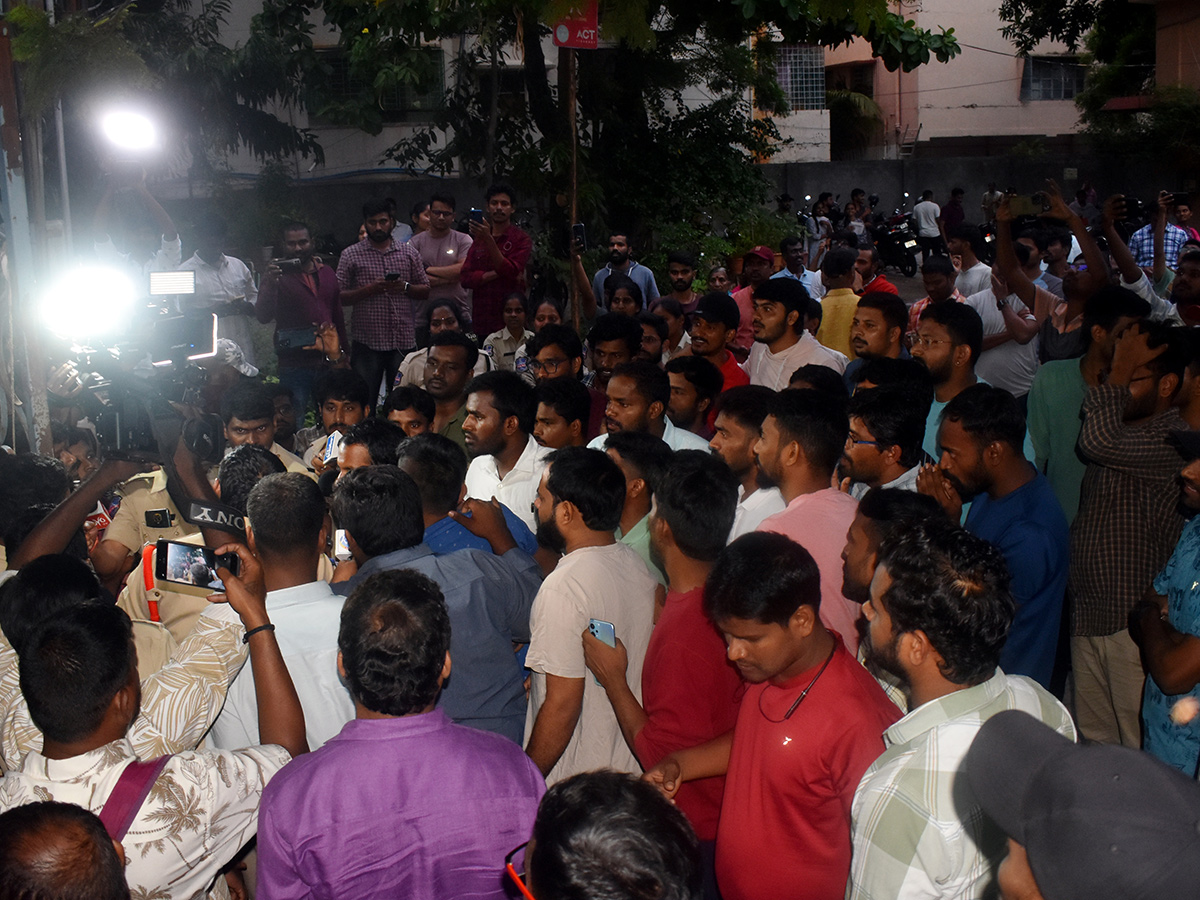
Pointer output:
x,y
784,588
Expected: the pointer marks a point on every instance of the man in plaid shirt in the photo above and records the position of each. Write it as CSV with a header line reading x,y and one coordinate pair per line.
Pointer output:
x,y
938,616
381,278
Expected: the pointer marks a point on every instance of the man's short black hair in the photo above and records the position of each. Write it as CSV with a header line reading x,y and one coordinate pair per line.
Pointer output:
x,y
697,497
954,587
960,321
287,512
885,370
394,637
567,397
241,470
927,195
1175,359
605,835
890,510
561,336
381,438
682,258
591,482
764,577
938,265
342,384
651,382
968,233
645,317
1110,304
248,401
18,529
1039,237
58,851
816,421
457,339
820,378
40,589
788,293
409,397
616,328
447,199
438,467
295,225
896,415
500,187
895,312
839,261
648,455
512,396
380,507
789,242
28,479
706,378
377,205
71,667
746,404
988,414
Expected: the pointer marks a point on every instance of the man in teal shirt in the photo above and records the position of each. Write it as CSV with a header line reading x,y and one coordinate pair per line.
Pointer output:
x,y
643,459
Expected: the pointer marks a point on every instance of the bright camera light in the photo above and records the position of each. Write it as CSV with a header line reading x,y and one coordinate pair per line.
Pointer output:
x,y
130,130
90,303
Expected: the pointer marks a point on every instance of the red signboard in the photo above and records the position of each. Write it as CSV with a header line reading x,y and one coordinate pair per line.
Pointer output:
x,y
579,27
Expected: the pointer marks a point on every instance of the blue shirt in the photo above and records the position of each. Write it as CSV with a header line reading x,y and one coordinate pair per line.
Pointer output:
x,y
445,535
1029,528
1176,745
641,276
489,599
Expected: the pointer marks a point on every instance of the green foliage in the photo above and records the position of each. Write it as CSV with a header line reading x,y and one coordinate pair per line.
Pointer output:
x,y
1067,21
854,122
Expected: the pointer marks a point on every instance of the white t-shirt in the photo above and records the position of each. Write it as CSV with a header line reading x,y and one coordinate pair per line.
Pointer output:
x,y
975,279
1011,365
925,216
610,583
775,369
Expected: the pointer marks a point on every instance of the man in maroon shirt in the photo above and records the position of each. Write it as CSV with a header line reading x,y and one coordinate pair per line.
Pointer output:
x,y
690,691
495,265
303,297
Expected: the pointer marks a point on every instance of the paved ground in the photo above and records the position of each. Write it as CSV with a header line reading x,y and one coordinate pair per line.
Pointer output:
x,y
911,289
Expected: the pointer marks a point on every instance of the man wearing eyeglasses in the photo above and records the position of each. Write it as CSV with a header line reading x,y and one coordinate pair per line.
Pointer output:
x,y
948,342
443,250
557,352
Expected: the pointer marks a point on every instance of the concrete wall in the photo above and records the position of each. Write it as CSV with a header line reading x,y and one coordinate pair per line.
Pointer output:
x,y
808,130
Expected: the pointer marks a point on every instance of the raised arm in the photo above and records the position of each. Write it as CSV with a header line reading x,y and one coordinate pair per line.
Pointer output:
x,y
1114,208
1097,268
583,284
1008,268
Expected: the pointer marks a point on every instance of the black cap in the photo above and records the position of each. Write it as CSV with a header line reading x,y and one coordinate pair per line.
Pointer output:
x,y
718,307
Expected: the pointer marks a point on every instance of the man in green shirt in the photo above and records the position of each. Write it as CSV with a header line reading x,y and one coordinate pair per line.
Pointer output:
x,y
643,459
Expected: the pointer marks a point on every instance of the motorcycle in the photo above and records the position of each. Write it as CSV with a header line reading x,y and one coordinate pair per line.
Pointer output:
x,y
896,242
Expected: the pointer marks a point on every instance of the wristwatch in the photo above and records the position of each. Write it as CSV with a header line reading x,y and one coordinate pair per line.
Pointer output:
x,y
406,287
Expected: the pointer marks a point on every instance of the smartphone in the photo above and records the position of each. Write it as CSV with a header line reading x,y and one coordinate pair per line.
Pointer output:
x,y
192,569
392,276
333,446
1031,205
295,338
603,631
1181,198
341,548
579,236
477,215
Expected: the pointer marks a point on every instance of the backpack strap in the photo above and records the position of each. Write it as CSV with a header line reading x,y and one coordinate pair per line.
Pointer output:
x,y
128,796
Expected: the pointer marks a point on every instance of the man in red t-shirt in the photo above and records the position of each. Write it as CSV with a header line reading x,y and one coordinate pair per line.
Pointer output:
x,y
807,729
495,264
714,327
690,691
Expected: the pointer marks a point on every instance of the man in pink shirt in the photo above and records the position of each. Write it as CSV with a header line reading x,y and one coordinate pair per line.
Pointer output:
x,y
757,266
802,440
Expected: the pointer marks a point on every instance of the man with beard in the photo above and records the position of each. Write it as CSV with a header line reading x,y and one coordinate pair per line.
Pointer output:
x,y
381,278
714,327
1127,525
757,266
781,342
638,394
695,384
613,340
948,343
939,613
495,264
737,429
802,440
506,462
571,726
795,266
681,271
808,727
556,352
643,459
1185,289
302,298
876,332
883,448
1014,509
448,368
620,263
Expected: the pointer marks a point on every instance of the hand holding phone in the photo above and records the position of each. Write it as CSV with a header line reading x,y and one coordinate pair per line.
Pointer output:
x,y
192,568
607,665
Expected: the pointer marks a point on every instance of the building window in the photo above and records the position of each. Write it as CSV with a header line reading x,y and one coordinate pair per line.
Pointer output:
x,y
801,73
1052,78
408,102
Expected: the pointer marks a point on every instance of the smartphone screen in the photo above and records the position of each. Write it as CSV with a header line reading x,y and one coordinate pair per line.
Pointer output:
x,y
477,216
187,564
341,549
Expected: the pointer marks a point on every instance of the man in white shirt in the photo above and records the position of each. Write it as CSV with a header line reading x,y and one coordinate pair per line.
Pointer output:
x,y
506,461
287,529
965,243
571,726
925,216
737,428
144,257
224,284
781,344
638,392
887,428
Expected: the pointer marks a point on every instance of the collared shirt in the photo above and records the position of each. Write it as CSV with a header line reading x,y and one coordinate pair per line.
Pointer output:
x,y
675,438
774,370
634,270
517,489
1128,522
228,280
811,280
487,297
914,311
179,701
453,428
753,508
489,599
302,300
1055,399
446,535
306,619
140,495
502,347
880,285
382,321
202,809
411,807
917,829
905,481
1141,245
639,539
412,368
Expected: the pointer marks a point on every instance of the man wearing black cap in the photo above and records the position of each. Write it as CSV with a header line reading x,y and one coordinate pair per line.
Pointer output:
x,y
714,327
1090,822
939,613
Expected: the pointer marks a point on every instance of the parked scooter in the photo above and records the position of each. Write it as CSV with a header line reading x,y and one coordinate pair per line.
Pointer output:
x,y
896,241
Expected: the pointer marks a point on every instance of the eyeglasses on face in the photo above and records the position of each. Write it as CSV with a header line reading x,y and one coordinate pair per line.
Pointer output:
x,y
549,366
518,877
928,342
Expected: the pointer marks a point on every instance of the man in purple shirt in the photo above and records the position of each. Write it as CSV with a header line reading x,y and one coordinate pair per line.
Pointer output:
x,y
301,298
381,278
402,803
